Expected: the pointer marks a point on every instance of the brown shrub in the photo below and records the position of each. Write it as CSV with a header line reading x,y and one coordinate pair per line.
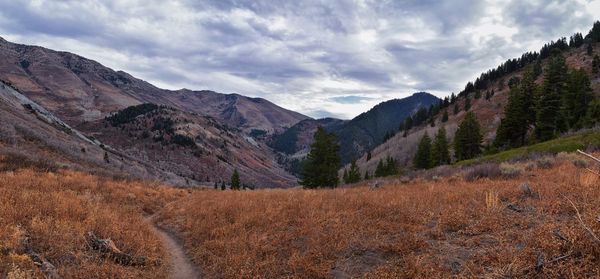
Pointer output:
x,y
485,170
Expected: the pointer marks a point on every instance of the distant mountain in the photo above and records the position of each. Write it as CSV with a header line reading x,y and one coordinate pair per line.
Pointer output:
x,y
356,136
77,90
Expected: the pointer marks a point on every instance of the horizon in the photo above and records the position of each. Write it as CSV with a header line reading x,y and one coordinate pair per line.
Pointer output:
x,y
322,60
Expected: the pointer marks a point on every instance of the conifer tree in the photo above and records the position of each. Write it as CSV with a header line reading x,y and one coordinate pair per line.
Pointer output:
x,y
456,109
423,156
576,98
467,103
440,155
380,171
345,176
467,140
367,175
323,161
592,116
353,173
477,94
235,180
548,119
596,64
368,156
517,114
590,49
223,187
390,167
445,116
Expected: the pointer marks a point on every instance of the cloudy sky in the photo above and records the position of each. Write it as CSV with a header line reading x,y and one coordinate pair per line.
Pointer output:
x,y
321,58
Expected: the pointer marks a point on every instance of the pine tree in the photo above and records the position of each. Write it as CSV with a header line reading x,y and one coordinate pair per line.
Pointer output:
x,y
467,140
368,156
445,116
353,173
452,98
517,114
440,155
548,119
223,187
576,98
590,49
380,171
367,175
467,103
596,64
592,116
106,157
390,167
456,109
216,185
477,94
323,161
345,176
235,180
423,156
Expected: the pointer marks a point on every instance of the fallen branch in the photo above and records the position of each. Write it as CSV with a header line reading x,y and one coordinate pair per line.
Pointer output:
x,y
588,155
108,247
590,232
587,169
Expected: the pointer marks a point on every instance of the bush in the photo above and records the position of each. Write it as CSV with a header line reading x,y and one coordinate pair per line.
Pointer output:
x,y
14,161
545,162
510,170
486,170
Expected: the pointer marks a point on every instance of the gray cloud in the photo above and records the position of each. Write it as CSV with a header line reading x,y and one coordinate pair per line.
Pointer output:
x,y
322,58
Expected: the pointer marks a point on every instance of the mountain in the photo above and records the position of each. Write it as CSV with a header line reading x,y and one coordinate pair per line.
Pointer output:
x,y
77,90
356,136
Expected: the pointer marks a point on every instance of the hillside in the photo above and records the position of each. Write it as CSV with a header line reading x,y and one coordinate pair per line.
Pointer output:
x,y
195,147
488,112
77,89
356,136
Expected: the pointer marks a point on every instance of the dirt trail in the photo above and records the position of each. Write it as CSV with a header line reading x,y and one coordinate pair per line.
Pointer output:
x,y
181,266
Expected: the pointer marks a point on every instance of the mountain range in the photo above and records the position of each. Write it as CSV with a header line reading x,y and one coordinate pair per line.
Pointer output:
x,y
187,138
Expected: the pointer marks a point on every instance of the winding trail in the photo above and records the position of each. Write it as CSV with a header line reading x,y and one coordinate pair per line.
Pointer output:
x,y
181,266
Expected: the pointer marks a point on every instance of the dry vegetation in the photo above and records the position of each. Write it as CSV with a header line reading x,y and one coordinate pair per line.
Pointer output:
x,y
495,228
50,213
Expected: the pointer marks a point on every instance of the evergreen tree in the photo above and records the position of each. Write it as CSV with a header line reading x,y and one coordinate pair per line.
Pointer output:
x,y
576,98
216,185
477,94
590,49
596,64
445,116
235,180
592,116
467,103
345,176
440,155
223,186
452,98
517,114
106,157
423,156
456,109
368,156
353,173
380,170
390,167
323,161
367,175
467,140
548,119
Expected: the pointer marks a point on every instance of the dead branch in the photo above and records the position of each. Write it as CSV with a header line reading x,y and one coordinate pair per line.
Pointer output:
x,y
590,232
588,169
108,247
588,155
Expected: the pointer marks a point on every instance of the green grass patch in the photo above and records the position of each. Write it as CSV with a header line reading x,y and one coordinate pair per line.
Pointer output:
x,y
566,144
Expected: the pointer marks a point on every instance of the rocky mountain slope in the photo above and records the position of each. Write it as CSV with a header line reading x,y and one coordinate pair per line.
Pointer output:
x,y
77,89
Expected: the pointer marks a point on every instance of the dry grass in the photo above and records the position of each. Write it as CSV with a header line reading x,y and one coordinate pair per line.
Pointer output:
x,y
425,229
56,210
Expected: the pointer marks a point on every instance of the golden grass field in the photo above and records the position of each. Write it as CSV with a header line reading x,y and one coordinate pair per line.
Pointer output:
x,y
446,227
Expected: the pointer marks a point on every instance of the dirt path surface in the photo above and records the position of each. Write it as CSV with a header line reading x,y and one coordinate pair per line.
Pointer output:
x,y
181,266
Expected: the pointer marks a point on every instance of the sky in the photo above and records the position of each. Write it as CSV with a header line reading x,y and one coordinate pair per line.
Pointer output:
x,y
321,58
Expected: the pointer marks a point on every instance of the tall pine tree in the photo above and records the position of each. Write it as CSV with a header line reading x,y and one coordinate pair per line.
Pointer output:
x,y
576,98
439,149
323,161
467,140
353,173
548,119
235,180
423,156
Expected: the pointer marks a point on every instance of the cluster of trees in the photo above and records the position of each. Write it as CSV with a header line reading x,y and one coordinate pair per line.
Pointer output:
x,y
128,114
386,167
561,103
436,152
